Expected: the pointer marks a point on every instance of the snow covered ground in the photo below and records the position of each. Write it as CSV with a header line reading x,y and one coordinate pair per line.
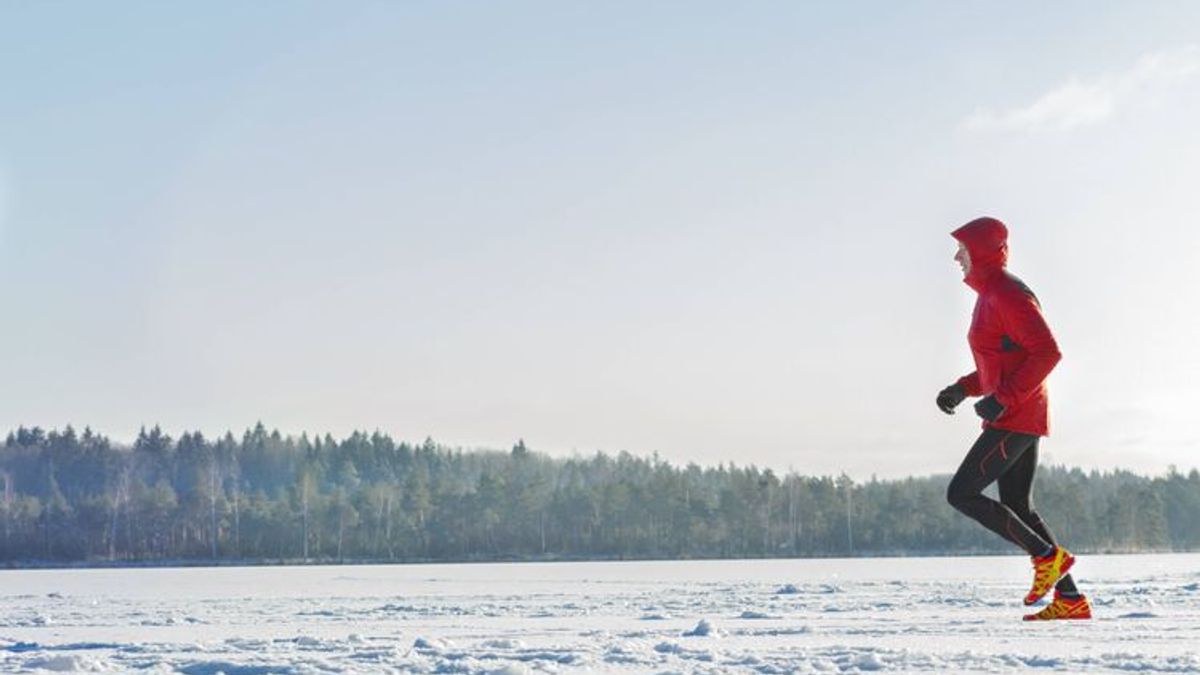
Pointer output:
x,y
770,616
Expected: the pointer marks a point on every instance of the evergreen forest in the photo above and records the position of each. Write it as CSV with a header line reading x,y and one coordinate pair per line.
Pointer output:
x,y
71,497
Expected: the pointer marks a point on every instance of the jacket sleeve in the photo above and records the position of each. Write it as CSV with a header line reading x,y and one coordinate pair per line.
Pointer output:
x,y
1022,319
970,383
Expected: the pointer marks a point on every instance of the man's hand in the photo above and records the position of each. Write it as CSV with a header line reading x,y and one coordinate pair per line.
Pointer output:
x,y
949,398
989,408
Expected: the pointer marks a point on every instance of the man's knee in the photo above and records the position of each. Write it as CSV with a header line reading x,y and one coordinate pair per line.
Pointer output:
x,y
958,494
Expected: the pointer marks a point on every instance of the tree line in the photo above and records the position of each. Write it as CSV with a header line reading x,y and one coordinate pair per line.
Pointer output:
x,y
70,497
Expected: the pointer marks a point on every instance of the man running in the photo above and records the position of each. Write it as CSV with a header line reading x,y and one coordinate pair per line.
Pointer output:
x,y
1014,352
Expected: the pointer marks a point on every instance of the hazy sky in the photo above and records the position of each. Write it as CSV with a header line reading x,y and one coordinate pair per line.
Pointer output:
x,y
718,231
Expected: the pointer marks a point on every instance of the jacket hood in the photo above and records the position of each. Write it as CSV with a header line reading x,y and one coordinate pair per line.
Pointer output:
x,y
986,240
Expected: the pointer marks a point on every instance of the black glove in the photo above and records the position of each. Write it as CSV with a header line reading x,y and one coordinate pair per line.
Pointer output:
x,y
989,408
949,398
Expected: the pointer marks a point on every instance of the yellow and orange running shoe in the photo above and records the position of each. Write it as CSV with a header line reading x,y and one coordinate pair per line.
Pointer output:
x,y
1047,571
1063,608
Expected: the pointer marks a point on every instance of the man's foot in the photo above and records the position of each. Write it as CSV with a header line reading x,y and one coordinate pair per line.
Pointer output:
x,y
1047,571
1077,607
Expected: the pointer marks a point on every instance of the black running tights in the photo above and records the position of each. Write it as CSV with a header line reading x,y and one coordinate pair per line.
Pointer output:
x,y
1009,459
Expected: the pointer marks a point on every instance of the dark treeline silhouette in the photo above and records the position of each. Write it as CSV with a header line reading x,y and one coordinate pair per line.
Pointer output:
x,y
71,497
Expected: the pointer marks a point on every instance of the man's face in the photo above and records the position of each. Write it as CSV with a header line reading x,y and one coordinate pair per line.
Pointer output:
x,y
963,258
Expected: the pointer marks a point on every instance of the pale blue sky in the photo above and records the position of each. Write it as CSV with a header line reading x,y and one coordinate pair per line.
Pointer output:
x,y
717,231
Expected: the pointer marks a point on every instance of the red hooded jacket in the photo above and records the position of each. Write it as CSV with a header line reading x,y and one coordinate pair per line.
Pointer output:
x,y
1013,348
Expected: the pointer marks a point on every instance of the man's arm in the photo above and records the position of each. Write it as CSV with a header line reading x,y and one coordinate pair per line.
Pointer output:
x,y
1022,319
970,384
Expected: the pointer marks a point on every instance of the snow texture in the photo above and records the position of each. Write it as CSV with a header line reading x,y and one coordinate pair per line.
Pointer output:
x,y
778,616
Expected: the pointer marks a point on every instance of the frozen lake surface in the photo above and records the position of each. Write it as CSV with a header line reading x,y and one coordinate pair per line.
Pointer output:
x,y
766,616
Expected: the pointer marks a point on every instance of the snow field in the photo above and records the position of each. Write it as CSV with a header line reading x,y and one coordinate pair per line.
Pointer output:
x,y
778,616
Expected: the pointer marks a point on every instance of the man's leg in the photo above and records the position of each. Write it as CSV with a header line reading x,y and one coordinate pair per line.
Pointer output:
x,y
988,459
1016,492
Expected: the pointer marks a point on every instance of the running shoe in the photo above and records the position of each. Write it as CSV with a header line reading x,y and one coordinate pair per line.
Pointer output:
x,y
1047,571
1063,608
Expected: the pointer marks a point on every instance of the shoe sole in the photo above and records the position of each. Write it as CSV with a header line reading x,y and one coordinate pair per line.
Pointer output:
x,y
1062,572
1061,618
